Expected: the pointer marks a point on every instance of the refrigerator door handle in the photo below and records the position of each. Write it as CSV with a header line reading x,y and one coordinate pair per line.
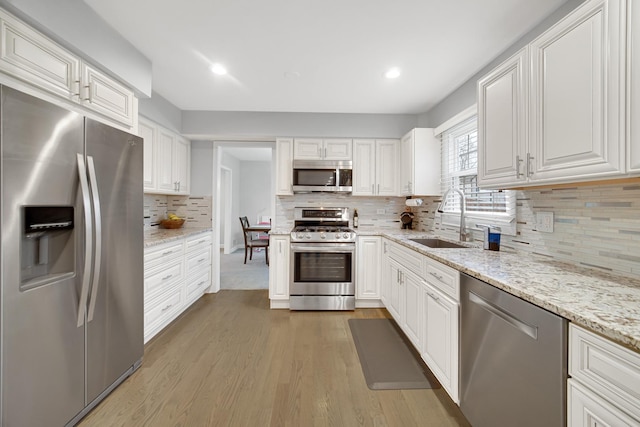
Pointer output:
x,y
98,232
86,275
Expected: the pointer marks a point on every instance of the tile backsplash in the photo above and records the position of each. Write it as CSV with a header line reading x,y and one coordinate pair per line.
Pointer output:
x,y
196,210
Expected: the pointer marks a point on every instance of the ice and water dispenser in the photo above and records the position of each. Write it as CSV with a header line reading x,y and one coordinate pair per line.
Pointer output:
x,y
48,245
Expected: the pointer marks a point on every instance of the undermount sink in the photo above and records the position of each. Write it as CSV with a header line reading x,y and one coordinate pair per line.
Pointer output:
x,y
437,243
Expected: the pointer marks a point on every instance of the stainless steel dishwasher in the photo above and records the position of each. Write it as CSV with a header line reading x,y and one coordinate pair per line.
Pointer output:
x,y
513,359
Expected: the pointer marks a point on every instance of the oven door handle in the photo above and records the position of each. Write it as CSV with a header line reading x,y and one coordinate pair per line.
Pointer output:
x,y
324,247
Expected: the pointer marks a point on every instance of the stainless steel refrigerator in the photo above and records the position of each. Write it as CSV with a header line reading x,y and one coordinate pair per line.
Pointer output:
x,y
72,261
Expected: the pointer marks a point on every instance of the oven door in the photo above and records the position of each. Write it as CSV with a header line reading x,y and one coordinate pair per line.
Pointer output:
x,y
322,269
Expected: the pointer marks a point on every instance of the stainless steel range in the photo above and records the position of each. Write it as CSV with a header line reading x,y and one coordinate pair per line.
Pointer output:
x,y
323,250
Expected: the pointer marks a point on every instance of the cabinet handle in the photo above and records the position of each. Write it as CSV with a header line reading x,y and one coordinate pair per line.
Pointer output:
x,y
325,152
378,189
319,152
529,158
201,260
167,277
179,185
437,276
167,308
88,98
200,284
384,247
409,186
167,253
79,86
373,191
202,241
518,161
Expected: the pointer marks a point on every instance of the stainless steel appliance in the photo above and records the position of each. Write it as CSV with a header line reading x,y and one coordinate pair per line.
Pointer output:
x,y
323,256
513,355
71,254
333,176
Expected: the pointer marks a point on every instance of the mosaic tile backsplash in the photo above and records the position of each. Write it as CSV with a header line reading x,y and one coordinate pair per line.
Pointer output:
x,y
196,210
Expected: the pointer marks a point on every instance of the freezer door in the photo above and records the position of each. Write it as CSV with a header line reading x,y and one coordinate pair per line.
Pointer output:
x,y
42,346
115,312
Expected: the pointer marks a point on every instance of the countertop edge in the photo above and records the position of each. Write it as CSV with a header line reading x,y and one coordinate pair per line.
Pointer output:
x,y
155,237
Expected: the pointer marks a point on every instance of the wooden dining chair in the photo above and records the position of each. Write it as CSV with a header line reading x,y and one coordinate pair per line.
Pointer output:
x,y
250,243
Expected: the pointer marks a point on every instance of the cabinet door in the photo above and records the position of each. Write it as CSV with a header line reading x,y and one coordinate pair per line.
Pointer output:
x,y
575,95
284,166
180,165
587,409
633,89
30,56
364,167
406,164
337,149
106,96
440,339
148,133
307,149
412,305
395,291
502,118
368,268
385,284
165,160
279,268
387,167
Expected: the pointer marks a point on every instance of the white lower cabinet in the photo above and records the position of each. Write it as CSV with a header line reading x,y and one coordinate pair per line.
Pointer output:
x,y
604,388
279,271
176,274
368,269
423,296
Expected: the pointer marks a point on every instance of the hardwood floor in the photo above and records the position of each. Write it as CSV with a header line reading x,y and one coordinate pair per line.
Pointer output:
x,y
230,361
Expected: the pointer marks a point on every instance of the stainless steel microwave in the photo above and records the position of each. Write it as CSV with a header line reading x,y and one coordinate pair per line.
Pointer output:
x,y
334,176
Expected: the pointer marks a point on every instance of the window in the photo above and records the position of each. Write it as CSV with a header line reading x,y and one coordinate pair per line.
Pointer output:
x,y
460,171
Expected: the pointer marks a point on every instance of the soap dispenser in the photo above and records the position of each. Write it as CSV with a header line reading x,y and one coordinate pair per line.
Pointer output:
x,y
491,239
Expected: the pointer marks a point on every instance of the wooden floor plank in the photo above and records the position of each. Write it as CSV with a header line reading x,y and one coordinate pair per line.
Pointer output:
x,y
231,361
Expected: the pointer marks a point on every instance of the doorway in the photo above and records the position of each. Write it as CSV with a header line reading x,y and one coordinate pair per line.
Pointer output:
x,y
244,186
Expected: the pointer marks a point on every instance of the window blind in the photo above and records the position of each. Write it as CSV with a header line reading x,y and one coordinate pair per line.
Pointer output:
x,y
460,170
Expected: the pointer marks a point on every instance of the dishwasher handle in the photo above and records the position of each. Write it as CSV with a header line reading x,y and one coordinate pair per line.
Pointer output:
x,y
532,331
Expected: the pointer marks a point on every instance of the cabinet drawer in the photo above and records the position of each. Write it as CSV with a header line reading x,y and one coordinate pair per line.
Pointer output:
x,y
162,254
585,408
608,368
409,259
198,259
198,285
198,241
160,279
163,308
444,278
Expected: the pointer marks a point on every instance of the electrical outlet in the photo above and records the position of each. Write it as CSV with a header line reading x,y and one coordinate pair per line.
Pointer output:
x,y
380,212
544,222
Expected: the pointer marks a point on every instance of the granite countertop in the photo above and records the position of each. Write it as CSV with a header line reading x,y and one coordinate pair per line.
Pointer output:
x,y
157,235
606,303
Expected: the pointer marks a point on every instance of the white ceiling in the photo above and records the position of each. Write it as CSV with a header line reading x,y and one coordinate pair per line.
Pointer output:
x,y
318,55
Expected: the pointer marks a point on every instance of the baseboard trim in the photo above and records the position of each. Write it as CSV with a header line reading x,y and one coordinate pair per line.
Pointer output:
x,y
366,303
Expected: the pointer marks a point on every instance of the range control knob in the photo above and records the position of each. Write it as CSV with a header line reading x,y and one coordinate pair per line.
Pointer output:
x,y
338,235
346,235
308,235
323,236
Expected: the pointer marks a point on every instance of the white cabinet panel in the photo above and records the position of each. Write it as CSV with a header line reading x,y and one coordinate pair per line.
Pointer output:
x,y
106,96
181,165
412,305
394,305
148,133
279,268
284,166
587,409
375,167
368,267
322,149
337,149
164,158
387,167
633,88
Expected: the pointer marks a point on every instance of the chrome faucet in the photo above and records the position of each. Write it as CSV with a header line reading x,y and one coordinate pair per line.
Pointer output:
x,y
463,206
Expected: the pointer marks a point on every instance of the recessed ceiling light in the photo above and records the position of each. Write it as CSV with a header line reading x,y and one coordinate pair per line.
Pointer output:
x,y
392,73
218,69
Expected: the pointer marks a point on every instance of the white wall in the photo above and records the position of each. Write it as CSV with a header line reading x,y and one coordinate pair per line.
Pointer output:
x,y
465,95
256,125
234,164
255,190
161,111
76,26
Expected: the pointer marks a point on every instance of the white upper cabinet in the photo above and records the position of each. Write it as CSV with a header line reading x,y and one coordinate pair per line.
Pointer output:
x,y
633,89
576,98
322,149
564,121
33,58
502,122
375,167
106,96
167,160
29,56
284,166
420,163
